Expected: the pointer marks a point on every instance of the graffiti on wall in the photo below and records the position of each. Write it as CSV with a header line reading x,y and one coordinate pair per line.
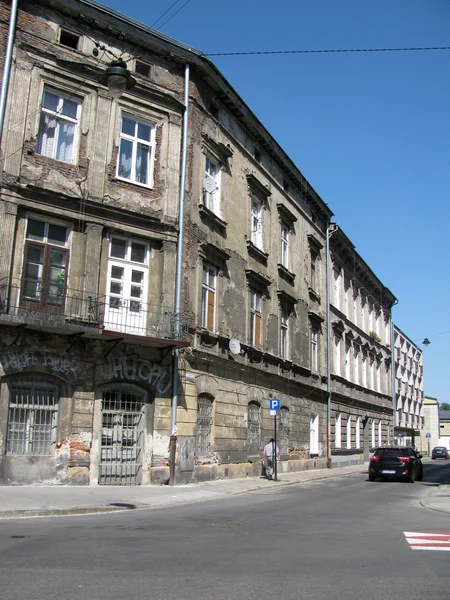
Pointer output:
x,y
19,360
118,367
136,370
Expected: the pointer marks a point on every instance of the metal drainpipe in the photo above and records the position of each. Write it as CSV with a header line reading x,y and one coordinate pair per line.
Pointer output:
x,y
327,262
178,284
7,65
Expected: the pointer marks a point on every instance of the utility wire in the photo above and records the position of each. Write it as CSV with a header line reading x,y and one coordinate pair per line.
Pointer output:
x,y
165,13
330,51
172,16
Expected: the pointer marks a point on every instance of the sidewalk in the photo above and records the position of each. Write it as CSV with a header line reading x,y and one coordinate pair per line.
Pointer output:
x,y
40,500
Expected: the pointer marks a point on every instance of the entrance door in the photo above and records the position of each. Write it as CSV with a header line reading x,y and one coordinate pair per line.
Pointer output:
x,y
122,437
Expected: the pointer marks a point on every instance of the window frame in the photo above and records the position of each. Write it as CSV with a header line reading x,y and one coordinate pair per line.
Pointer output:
x,y
314,348
208,315
212,200
59,117
284,240
256,222
284,332
44,283
135,141
31,410
255,325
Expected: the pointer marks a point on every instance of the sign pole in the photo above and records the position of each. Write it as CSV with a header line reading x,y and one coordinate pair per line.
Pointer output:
x,y
275,445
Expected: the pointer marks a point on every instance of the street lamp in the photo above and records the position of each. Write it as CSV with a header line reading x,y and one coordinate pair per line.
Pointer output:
x,y
426,342
117,78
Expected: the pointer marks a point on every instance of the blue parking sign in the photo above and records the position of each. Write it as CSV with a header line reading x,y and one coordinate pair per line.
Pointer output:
x,y
275,404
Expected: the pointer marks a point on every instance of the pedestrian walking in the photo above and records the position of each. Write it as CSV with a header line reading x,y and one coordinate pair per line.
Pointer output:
x,y
271,454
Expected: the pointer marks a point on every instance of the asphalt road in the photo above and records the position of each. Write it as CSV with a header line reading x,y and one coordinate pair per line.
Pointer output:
x,y
341,538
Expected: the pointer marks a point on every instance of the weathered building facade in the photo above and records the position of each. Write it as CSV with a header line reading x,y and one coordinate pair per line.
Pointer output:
x,y
408,391
361,355
89,246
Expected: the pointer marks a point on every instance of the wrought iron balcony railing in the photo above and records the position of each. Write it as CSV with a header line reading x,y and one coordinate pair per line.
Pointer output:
x,y
37,303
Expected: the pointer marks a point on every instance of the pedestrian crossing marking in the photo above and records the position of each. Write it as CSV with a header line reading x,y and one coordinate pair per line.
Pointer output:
x,y
432,540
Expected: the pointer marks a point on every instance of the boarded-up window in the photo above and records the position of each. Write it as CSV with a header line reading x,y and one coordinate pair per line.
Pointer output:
x,y
208,296
253,428
255,318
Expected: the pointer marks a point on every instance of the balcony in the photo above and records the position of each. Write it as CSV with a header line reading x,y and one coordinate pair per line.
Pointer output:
x,y
45,307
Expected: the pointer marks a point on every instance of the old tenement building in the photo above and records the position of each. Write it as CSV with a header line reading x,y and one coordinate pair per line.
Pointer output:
x,y
118,367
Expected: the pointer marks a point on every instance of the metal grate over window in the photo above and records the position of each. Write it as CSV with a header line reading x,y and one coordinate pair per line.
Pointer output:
x,y
32,417
284,431
204,424
254,428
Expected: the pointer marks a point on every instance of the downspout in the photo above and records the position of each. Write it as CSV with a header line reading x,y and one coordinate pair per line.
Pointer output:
x,y
7,65
178,283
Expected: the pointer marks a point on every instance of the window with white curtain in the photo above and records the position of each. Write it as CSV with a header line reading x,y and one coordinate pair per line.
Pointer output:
x,y
373,441
380,434
59,126
136,151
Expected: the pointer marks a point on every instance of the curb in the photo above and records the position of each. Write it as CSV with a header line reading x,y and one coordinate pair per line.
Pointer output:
x,y
120,507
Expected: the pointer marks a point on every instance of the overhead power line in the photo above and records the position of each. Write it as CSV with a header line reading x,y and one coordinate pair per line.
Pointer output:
x,y
328,51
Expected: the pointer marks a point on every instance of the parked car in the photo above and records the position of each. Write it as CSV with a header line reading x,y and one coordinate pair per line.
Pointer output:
x,y
439,452
396,462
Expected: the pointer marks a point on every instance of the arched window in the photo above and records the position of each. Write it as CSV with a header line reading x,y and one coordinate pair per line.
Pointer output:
x,y
285,424
253,428
204,426
32,416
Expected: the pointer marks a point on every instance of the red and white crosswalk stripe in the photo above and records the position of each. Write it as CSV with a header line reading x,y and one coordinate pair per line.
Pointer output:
x,y
428,540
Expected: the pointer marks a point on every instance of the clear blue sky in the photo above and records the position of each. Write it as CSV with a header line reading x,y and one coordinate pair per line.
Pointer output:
x,y
371,132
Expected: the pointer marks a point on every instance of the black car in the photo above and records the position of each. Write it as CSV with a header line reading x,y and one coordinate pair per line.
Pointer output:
x,y
439,452
396,462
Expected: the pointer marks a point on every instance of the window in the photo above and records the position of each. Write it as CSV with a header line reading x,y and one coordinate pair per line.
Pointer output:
x,y
256,223
284,332
59,126
135,160
364,370
32,417
313,263
285,245
380,434
348,357
211,186
255,318
66,38
45,264
337,355
204,426
337,432
373,442
127,285
253,428
337,288
355,365
142,68
358,433
314,349
349,431
314,435
284,430
208,297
